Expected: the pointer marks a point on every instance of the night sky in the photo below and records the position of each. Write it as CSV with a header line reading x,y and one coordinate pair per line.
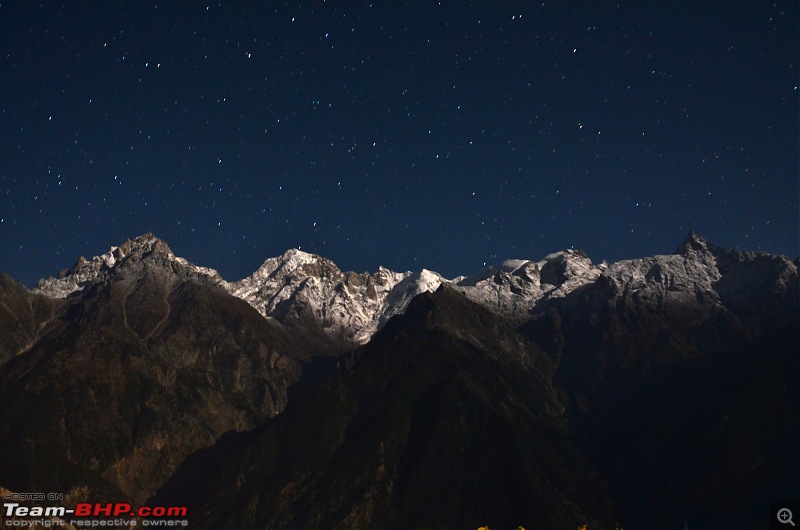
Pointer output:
x,y
433,134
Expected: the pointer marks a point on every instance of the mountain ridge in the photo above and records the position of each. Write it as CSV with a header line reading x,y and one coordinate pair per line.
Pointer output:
x,y
353,306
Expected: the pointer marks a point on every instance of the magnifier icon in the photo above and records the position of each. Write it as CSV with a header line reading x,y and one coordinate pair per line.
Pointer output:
x,y
785,516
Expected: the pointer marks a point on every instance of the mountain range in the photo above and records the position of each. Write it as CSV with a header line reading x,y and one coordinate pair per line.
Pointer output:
x,y
656,392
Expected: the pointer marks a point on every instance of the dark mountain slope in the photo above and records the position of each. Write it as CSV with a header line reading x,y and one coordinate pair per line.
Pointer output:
x,y
711,441
440,423
682,374
23,317
149,363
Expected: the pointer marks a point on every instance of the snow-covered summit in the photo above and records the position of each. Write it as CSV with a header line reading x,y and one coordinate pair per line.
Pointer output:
x,y
347,304
516,286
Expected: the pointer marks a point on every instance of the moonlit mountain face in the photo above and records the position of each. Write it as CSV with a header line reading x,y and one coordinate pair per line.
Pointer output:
x,y
547,393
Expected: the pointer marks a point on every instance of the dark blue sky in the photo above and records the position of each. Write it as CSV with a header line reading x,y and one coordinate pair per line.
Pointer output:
x,y
426,134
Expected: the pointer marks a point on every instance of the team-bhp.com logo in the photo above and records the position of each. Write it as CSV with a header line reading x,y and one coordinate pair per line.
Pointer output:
x,y
86,514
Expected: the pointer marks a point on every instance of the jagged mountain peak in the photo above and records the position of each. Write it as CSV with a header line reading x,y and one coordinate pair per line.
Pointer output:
x,y
145,243
141,245
146,247
693,242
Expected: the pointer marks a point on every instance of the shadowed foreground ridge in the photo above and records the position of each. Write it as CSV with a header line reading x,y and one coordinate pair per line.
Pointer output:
x,y
548,394
429,428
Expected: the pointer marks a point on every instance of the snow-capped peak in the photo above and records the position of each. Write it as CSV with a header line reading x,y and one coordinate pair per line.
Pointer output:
x,y
515,286
289,260
350,304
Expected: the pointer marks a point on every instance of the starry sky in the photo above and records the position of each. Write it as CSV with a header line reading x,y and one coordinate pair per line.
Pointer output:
x,y
444,135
